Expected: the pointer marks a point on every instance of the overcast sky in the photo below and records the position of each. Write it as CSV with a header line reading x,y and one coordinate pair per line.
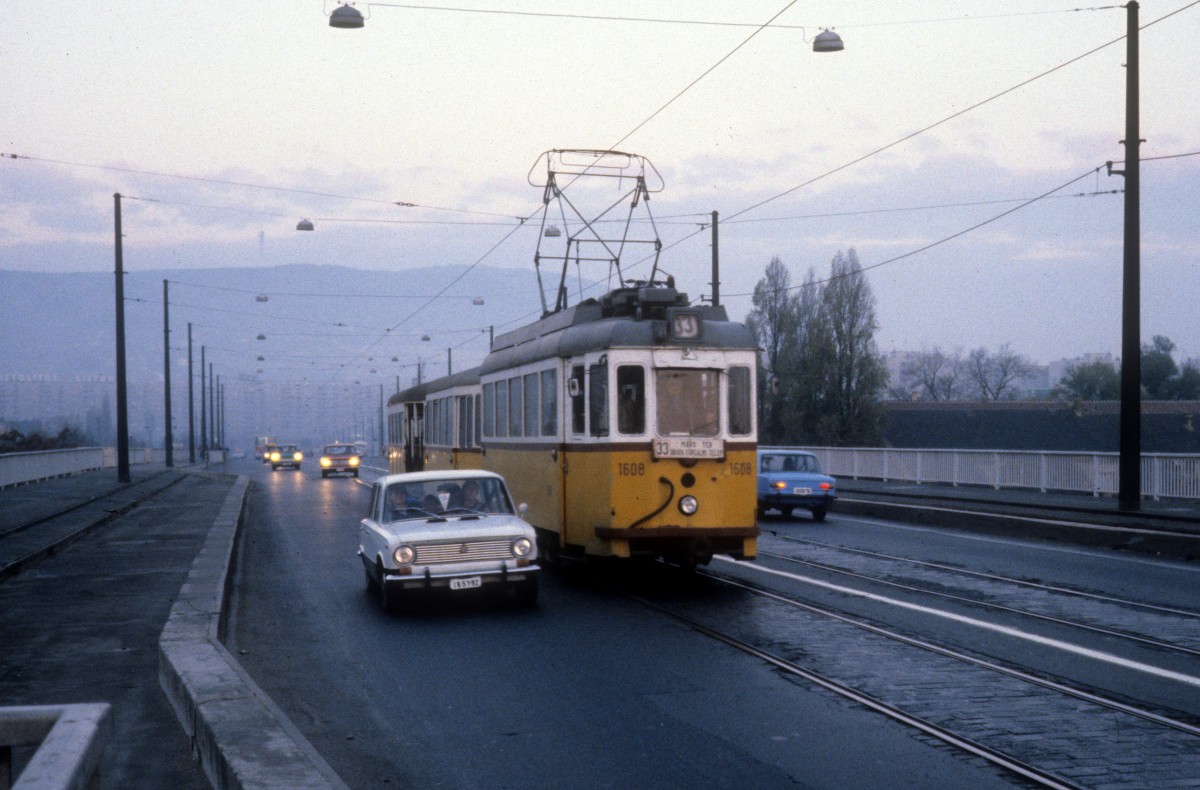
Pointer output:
x,y
267,115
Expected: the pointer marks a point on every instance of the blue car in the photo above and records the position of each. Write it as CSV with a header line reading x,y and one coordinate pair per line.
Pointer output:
x,y
788,479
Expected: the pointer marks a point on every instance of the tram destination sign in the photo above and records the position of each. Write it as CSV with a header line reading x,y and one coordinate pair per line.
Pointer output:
x,y
688,447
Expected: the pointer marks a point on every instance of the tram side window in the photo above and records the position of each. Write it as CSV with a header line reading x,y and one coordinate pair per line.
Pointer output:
x,y
531,404
631,399
577,403
740,423
502,408
465,420
478,421
515,406
598,400
549,402
489,409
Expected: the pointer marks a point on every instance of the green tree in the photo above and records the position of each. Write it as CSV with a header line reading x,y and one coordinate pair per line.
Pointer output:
x,y
822,375
1098,380
1187,384
1159,369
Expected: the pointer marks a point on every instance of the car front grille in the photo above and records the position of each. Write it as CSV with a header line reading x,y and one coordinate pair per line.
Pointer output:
x,y
470,551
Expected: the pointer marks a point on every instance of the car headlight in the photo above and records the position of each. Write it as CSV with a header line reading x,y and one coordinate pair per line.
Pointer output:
x,y
275,456
325,461
354,460
688,505
298,456
404,555
522,547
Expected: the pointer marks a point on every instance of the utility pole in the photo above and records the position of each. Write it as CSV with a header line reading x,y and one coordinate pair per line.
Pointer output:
x,y
1129,482
191,410
716,265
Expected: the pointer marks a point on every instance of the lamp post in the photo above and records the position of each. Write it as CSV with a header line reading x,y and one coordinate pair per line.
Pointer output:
x,y
122,404
203,411
168,440
191,411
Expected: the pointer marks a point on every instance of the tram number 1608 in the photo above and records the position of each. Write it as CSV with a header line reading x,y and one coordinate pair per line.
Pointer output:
x,y
631,469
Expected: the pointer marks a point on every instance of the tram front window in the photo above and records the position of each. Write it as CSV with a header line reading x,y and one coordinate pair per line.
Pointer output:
x,y
688,402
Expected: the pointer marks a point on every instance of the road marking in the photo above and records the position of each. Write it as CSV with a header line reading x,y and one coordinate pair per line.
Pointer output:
x,y
1058,644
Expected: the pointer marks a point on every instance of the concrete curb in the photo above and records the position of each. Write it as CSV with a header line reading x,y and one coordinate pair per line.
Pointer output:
x,y
240,736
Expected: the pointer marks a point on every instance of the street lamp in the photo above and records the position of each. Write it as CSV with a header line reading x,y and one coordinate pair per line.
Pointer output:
x,y
122,400
827,41
346,17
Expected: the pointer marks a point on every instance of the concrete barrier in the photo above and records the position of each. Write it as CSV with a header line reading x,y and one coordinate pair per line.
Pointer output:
x,y
21,468
70,741
240,736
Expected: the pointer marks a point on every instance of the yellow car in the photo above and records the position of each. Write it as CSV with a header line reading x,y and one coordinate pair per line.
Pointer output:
x,y
339,458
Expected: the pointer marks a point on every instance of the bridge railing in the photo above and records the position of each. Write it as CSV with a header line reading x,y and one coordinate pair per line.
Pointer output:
x,y
21,468
1163,475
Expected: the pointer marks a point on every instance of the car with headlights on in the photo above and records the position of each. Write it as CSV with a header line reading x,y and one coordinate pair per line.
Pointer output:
x,y
285,455
337,458
449,533
790,479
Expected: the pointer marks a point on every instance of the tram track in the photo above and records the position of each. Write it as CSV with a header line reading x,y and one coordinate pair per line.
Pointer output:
x,y
977,602
993,577
47,534
1045,731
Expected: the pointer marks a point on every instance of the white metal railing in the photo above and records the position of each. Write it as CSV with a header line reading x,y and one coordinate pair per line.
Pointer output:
x,y
1163,475
20,468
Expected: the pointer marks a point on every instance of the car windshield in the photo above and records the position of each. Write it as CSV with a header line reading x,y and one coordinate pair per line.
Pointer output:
x,y
286,448
339,449
452,496
789,463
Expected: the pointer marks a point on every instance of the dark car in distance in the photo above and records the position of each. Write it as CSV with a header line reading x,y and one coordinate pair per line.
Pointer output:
x,y
286,455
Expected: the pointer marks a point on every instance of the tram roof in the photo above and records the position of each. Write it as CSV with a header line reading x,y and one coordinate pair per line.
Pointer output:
x,y
623,318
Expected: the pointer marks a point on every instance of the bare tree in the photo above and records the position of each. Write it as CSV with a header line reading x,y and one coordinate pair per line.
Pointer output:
x,y
995,376
773,322
937,374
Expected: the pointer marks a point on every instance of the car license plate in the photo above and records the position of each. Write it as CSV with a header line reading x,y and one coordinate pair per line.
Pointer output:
x,y
467,583
801,491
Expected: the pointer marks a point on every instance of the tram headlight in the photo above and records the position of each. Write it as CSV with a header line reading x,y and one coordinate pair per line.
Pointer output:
x,y
522,547
688,505
404,555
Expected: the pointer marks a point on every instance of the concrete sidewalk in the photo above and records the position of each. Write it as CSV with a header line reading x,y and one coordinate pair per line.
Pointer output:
x,y
83,625
132,610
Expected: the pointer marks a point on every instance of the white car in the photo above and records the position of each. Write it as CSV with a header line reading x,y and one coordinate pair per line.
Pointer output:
x,y
446,531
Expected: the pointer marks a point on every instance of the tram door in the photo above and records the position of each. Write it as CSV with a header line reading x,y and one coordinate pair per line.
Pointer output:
x,y
414,437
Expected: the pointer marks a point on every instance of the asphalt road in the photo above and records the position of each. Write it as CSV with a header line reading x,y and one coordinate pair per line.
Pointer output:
x,y
591,689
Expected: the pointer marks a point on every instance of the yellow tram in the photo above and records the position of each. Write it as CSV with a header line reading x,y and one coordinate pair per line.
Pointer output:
x,y
626,423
